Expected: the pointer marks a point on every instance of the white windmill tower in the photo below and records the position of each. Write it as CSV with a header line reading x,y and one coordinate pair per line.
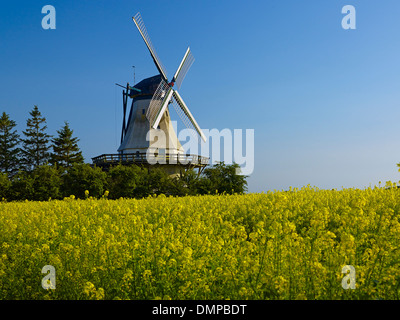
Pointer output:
x,y
149,113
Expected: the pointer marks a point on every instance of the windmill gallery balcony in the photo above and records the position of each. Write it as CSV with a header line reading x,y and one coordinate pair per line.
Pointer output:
x,y
182,160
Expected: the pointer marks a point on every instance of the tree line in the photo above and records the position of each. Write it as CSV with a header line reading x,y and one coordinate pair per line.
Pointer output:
x,y
38,166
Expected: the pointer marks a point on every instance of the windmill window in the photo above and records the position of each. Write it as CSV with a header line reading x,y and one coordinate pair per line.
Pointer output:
x,y
158,127
142,111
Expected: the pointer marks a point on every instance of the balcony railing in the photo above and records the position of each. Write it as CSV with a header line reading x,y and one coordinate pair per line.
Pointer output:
x,y
143,158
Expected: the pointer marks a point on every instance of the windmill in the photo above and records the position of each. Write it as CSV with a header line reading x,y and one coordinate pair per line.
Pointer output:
x,y
149,113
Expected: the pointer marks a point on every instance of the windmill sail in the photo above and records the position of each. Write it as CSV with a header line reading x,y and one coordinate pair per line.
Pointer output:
x,y
165,94
158,103
186,116
143,31
183,68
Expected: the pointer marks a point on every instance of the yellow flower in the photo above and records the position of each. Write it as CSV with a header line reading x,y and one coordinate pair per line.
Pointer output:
x,y
242,291
274,245
146,274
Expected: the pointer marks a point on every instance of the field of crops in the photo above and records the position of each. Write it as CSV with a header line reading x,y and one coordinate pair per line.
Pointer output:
x,y
277,245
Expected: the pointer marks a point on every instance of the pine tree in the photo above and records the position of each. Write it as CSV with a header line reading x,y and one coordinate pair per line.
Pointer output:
x,y
35,149
65,148
9,140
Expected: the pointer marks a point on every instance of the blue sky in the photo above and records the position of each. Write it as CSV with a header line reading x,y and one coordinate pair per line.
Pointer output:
x,y
324,102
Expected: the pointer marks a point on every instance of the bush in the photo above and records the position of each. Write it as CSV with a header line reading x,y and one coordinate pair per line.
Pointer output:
x,y
190,183
40,184
5,186
46,182
154,182
124,180
223,179
81,177
21,186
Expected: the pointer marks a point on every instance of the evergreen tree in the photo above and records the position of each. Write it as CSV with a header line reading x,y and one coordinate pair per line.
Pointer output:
x,y
35,149
9,140
65,148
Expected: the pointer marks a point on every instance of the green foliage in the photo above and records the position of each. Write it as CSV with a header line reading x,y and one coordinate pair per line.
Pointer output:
x,y
46,183
41,184
157,182
21,186
153,182
183,185
9,140
123,181
190,183
223,178
35,149
29,176
203,186
65,148
81,177
5,185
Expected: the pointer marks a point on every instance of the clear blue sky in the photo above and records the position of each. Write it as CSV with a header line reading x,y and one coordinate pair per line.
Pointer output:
x,y
324,102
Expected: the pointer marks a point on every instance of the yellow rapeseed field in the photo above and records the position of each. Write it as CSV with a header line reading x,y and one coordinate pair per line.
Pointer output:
x,y
275,245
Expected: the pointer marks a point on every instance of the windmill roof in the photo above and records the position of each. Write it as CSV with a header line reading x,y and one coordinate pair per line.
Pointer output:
x,y
147,86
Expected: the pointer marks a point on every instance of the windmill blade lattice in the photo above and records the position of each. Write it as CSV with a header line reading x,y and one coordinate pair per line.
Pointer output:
x,y
186,116
183,68
165,92
161,97
143,31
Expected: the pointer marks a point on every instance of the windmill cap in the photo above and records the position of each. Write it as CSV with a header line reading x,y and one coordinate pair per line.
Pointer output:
x,y
147,87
